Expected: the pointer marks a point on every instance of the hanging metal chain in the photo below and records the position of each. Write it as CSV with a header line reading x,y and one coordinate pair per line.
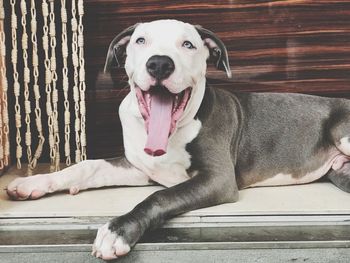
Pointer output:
x,y
53,42
48,80
35,62
2,16
75,60
16,85
1,127
4,84
3,91
26,80
65,83
1,136
82,85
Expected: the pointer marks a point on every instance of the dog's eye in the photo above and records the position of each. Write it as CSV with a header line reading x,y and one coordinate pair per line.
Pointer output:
x,y
140,41
188,44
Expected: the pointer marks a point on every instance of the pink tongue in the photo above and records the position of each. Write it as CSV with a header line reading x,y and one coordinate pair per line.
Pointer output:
x,y
159,122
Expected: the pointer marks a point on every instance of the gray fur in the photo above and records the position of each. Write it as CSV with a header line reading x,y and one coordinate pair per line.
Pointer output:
x,y
219,55
116,51
280,133
283,133
120,162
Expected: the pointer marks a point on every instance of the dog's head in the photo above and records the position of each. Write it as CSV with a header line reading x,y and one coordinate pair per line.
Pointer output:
x,y
165,61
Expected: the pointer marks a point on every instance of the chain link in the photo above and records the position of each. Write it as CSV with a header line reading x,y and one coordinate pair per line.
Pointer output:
x,y
16,85
48,80
35,63
49,41
82,85
5,115
65,83
52,33
4,128
76,95
26,80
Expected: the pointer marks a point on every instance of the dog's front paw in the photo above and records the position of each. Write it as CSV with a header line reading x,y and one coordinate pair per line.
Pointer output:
x,y
32,187
109,245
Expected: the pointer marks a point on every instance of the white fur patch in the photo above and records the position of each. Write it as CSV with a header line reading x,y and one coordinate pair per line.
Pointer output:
x,y
31,187
168,169
344,145
81,176
109,245
335,162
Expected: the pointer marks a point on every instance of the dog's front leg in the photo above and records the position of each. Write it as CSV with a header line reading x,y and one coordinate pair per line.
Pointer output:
x,y
81,176
207,188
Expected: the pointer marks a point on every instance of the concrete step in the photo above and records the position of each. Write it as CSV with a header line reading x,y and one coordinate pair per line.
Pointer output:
x,y
305,223
224,239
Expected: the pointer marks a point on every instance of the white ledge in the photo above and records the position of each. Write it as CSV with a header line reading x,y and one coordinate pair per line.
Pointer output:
x,y
320,198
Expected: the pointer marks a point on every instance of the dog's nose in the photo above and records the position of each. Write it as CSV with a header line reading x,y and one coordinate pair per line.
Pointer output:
x,y
160,67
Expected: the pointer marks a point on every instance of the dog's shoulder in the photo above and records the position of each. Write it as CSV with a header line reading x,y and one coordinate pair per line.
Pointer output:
x,y
218,102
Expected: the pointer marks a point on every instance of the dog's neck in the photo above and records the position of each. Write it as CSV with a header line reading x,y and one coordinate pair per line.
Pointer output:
x,y
194,103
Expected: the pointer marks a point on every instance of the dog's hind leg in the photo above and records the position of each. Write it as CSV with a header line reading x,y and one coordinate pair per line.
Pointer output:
x,y
336,129
339,131
81,176
337,134
341,177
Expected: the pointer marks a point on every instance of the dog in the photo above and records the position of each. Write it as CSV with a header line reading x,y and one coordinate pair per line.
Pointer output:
x,y
203,144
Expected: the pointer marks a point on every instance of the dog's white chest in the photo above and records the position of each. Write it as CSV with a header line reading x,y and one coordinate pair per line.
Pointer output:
x,y
168,169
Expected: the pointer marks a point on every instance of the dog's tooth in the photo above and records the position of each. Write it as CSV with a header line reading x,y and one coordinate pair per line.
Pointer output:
x,y
176,101
148,98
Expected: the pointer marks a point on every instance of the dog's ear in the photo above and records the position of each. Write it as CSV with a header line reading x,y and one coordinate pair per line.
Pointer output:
x,y
117,49
217,49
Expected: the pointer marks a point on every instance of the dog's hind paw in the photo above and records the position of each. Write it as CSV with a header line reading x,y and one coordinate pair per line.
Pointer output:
x,y
109,245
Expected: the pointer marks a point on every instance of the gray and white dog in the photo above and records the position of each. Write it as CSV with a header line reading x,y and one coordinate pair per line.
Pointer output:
x,y
203,144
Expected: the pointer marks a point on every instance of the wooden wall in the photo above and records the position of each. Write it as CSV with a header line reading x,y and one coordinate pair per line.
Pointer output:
x,y
280,46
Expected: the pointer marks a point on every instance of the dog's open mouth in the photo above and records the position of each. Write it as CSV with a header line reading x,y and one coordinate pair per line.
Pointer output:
x,y
161,110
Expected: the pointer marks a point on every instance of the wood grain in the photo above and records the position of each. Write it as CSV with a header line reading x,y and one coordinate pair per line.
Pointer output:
x,y
274,46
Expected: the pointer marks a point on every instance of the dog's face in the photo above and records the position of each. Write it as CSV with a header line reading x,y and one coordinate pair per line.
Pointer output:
x,y
166,65
173,45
